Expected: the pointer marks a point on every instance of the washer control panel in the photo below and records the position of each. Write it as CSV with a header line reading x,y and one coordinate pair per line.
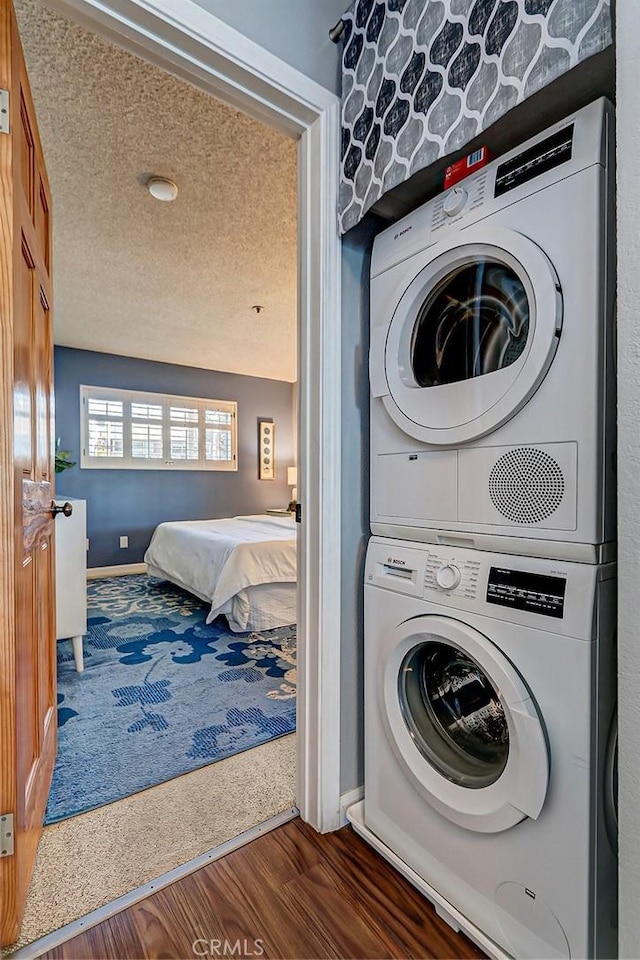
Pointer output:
x,y
558,596
448,576
523,590
451,574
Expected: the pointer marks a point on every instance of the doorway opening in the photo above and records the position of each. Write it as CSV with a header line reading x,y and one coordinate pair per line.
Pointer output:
x,y
312,796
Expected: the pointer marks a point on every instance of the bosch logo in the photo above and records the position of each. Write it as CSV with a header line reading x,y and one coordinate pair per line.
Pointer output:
x,y
398,563
401,233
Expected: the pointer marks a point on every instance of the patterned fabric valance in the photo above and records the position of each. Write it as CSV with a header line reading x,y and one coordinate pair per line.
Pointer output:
x,y
423,77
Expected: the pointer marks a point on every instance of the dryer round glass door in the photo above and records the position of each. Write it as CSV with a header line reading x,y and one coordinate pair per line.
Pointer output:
x,y
474,322
472,336
463,724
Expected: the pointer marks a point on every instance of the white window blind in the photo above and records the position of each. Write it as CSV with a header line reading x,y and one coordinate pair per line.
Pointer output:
x,y
131,430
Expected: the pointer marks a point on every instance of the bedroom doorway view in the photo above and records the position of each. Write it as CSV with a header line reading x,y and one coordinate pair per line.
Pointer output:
x,y
175,323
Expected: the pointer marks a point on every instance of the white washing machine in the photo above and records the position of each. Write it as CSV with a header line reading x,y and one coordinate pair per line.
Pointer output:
x,y
491,354
489,701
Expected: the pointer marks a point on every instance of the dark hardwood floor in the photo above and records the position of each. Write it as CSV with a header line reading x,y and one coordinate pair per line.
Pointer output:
x,y
291,893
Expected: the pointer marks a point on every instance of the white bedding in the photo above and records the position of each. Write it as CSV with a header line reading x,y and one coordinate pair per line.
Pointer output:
x,y
218,560
263,607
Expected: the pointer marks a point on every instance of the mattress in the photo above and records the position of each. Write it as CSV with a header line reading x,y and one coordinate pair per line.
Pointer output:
x,y
232,564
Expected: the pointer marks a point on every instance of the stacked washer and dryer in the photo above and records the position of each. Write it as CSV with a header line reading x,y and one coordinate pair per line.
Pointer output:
x,y
490,591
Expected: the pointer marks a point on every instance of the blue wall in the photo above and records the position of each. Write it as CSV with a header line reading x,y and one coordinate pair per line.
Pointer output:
x,y
132,502
356,258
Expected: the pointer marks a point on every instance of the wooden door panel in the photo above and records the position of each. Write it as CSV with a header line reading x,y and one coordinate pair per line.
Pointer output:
x,y
26,151
26,654
27,584
43,350
43,228
45,605
23,338
35,661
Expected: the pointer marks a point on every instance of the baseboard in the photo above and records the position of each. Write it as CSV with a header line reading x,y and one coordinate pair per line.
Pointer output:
x,y
347,800
121,570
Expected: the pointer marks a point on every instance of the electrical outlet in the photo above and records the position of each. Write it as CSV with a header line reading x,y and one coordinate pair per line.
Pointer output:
x,y
124,541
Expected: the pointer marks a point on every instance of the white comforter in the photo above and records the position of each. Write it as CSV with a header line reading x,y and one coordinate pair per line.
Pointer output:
x,y
216,559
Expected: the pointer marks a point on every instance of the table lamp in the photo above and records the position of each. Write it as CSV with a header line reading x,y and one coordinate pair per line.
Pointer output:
x,y
292,480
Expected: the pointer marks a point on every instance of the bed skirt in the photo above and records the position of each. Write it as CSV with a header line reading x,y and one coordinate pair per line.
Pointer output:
x,y
263,607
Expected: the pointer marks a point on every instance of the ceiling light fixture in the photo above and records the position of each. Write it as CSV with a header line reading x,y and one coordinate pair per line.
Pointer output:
x,y
162,188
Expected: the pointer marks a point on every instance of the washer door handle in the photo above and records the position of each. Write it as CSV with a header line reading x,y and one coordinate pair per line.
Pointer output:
x,y
530,787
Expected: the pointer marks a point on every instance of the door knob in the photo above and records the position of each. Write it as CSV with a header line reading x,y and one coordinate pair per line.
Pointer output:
x,y
66,509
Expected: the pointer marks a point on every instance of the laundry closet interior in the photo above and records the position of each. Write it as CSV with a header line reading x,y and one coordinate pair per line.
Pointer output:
x,y
490,587
456,434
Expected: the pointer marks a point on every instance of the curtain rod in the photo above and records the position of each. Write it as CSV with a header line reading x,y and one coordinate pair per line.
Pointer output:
x,y
336,32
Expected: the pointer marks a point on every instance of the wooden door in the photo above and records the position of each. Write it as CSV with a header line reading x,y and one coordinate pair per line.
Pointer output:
x,y
27,595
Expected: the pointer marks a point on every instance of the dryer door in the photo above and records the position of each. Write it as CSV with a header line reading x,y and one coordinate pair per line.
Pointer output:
x,y
471,338
463,724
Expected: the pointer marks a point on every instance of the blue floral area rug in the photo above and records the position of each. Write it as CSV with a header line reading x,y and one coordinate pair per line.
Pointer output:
x,y
162,693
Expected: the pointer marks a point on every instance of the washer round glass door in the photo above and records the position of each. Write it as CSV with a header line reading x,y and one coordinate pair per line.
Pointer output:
x,y
471,337
454,714
463,724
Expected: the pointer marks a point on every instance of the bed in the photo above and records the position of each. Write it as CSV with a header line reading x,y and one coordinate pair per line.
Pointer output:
x,y
245,567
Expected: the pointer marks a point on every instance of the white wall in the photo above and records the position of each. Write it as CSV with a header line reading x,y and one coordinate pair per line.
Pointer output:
x,y
297,31
628,151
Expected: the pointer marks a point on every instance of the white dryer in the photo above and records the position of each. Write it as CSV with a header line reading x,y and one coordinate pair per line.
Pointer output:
x,y
489,700
491,354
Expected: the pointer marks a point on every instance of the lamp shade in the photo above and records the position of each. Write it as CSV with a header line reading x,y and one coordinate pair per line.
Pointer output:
x,y
292,476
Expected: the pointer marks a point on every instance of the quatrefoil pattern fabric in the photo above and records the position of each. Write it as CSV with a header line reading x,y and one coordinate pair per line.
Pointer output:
x,y
421,78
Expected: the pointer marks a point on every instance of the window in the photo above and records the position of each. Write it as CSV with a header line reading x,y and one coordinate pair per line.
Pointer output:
x,y
129,430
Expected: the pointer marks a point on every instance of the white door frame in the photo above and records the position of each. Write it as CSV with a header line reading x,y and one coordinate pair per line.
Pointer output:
x,y
187,41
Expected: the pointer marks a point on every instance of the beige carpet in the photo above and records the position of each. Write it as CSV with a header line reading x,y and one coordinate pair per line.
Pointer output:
x,y
91,859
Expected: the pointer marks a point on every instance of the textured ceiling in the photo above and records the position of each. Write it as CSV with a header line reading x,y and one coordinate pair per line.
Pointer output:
x,y
166,281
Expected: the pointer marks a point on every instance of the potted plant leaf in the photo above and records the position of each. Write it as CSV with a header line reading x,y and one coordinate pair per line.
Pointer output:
x,y
63,458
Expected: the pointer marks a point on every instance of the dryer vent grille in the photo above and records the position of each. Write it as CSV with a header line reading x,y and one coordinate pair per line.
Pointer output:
x,y
526,485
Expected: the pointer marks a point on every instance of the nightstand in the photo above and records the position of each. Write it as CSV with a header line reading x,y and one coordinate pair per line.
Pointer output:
x,y
71,578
